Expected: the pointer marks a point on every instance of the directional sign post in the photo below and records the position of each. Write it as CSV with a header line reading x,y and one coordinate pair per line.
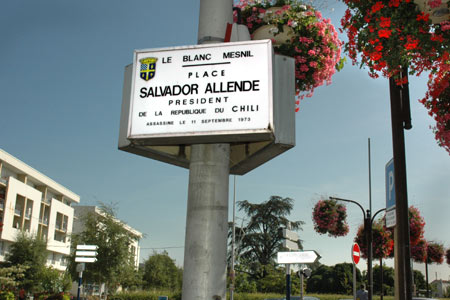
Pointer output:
x,y
298,257
84,254
291,243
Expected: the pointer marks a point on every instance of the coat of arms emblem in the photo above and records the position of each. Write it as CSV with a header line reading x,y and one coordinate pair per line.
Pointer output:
x,y
148,68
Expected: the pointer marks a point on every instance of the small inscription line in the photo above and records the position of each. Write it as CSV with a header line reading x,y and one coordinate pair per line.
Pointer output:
x,y
209,64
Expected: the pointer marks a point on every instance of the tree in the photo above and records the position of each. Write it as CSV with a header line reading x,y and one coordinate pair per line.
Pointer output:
x,y
53,282
10,277
31,252
388,280
114,258
161,272
333,280
419,280
260,239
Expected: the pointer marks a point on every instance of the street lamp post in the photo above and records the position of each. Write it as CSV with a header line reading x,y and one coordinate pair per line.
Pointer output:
x,y
368,221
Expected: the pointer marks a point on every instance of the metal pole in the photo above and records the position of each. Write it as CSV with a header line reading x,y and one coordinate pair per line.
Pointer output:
x,y
205,251
354,279
301,285
79,284
232,275
368,229
370,178
288,282
205,261
426,277
381,279
402,246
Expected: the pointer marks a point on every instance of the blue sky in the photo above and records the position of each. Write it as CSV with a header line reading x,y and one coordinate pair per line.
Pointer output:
x,y
61,76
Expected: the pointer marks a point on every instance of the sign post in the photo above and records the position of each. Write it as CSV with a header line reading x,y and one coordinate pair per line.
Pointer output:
x,y
201,107
84,254
356,255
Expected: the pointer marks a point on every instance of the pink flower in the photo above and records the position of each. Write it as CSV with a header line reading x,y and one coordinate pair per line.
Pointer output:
x,y
434,3
304,68
311,52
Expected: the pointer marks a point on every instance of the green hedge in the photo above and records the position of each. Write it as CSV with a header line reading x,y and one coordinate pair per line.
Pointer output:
x,y
145,295
7,295
153,295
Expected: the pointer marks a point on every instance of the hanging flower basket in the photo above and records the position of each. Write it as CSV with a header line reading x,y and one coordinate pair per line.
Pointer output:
x,y
330,217
389,35
435,253
447,255
419,251
416,226
382,242
437,101
299,31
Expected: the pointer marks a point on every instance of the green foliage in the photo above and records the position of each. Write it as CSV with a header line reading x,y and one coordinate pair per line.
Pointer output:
x,y
334,280
7,295
114,260
53,281
388,280
10,277
145,295
160,272
259,240
419,280
30,252
243,284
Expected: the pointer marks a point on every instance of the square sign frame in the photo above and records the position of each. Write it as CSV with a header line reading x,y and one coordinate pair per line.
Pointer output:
x,y
248,150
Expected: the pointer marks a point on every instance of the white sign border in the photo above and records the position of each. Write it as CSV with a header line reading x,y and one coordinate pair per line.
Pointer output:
x,y
266,131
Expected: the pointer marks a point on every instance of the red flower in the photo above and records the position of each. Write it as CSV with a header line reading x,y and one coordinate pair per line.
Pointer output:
x,y
377,6
384,33
376,56
423,16
411,43
385,22
394,3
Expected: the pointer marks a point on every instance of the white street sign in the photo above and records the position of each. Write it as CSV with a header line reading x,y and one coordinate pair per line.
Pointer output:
x,y
290,245
391,218
201,90
87,247
290,235
86,253
297,257
85,259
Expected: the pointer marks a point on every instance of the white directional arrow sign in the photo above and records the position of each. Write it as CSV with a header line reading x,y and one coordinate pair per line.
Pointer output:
x,y
298,257
86,253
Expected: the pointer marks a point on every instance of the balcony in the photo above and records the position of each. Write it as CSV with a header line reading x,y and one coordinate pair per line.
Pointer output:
x,y
3,181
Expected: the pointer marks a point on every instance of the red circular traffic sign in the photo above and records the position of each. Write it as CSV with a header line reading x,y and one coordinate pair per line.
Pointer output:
x,y
356,253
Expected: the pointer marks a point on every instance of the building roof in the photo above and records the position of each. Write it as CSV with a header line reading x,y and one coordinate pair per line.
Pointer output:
x,y
98,211
35,176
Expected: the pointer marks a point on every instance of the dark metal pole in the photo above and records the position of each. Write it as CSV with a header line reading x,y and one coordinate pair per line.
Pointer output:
x,y
79,284
368,230
381,278
426,276
288,282
398,95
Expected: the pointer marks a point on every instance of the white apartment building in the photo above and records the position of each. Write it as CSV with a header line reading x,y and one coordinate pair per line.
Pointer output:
x,y
81,211
32,202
